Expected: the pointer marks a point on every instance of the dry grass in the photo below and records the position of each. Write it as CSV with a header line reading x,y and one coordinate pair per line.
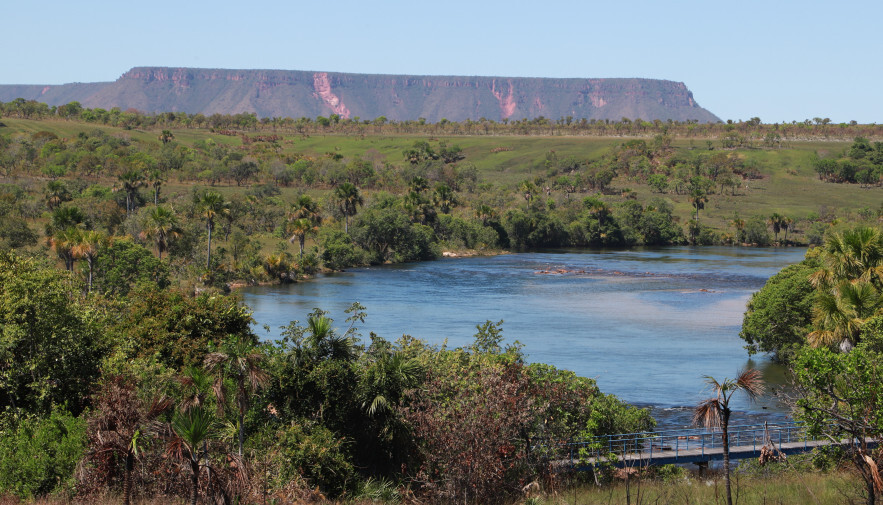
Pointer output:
x,y
836,488
109,499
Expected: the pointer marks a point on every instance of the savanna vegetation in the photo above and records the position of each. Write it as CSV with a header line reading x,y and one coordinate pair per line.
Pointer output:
x,y
125,369
157,393
824,316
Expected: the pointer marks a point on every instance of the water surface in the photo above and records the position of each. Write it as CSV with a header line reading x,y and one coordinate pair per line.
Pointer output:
x,y
646,324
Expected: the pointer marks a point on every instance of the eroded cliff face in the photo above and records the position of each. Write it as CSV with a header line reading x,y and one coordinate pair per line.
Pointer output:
x,y
281,93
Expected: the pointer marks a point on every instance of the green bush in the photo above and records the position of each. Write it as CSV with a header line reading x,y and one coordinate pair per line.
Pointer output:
x,y
40,455
314,452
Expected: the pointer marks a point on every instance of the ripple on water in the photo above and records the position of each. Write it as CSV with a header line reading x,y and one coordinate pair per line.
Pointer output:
x,y
647,324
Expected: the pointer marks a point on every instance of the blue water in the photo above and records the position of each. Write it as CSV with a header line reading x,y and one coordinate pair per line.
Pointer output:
x,y
646,324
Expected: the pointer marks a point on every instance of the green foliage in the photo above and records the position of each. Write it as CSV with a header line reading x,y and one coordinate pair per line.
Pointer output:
x,y
178,329
125,265
871,336
388,235
39,455
50,342
840,387
611,415
779,316
756,232
314,452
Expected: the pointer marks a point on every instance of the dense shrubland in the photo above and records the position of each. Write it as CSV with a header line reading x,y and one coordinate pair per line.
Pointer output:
x,y
156,393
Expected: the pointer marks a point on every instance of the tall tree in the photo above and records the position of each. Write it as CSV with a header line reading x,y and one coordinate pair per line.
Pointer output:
x,y
63,242
157,178
130,181
299,230
210,206
850,285
444,198
349,198
715,412
161,225
87,245
305,208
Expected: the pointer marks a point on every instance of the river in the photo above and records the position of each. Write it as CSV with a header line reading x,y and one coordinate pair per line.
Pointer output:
x,y
647,324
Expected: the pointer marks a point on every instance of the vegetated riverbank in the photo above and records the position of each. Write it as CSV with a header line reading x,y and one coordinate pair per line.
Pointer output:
x,y
375,199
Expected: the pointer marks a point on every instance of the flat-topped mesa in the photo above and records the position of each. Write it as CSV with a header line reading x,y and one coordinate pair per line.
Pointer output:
x,y
295,93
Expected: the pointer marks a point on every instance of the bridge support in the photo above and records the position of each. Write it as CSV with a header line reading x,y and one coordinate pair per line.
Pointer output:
x,y
703,467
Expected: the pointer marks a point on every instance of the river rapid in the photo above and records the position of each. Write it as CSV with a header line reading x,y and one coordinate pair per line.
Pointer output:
x,y
647,324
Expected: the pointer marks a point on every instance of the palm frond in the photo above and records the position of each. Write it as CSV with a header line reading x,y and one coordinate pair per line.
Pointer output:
x,y
708,413
751,382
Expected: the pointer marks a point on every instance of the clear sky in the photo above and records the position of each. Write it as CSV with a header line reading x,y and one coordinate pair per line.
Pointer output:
x,y
779,60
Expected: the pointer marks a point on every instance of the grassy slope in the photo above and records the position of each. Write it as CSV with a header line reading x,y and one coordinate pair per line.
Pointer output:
x,y
789,185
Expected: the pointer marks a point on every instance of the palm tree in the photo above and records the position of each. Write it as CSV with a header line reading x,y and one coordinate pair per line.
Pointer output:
x,y
715,412
118,423
739,224
63,242
157,178
196,386
86,247
387,380
855,254
299,229
322,343
527,189
597,208
698,200
166,136
193,428
850,286
786,225
485,213
840,313
776,222
56,193
211,205
305,208
241,361
130,181
161,225
349,199
444,198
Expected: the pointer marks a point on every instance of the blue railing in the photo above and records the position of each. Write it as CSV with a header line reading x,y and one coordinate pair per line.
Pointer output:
x,y
673,443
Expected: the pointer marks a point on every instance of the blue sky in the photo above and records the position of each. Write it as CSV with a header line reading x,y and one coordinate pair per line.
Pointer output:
x,y
778,60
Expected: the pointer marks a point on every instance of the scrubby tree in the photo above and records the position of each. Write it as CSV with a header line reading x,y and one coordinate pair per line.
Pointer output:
x,y
714,412
239,360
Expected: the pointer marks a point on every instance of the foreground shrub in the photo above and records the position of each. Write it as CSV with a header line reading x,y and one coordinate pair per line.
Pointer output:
x,y
39,456
314,452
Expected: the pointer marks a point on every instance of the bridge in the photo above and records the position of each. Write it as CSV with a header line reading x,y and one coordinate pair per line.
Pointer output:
x,y
697,445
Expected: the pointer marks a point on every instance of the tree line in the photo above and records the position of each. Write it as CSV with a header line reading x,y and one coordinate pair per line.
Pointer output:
x,y
731,133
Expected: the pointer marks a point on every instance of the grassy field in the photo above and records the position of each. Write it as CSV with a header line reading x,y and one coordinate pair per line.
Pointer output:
x,y
793,489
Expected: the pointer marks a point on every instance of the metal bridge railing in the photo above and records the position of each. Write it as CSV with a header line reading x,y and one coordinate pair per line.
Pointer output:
x,y
678,441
